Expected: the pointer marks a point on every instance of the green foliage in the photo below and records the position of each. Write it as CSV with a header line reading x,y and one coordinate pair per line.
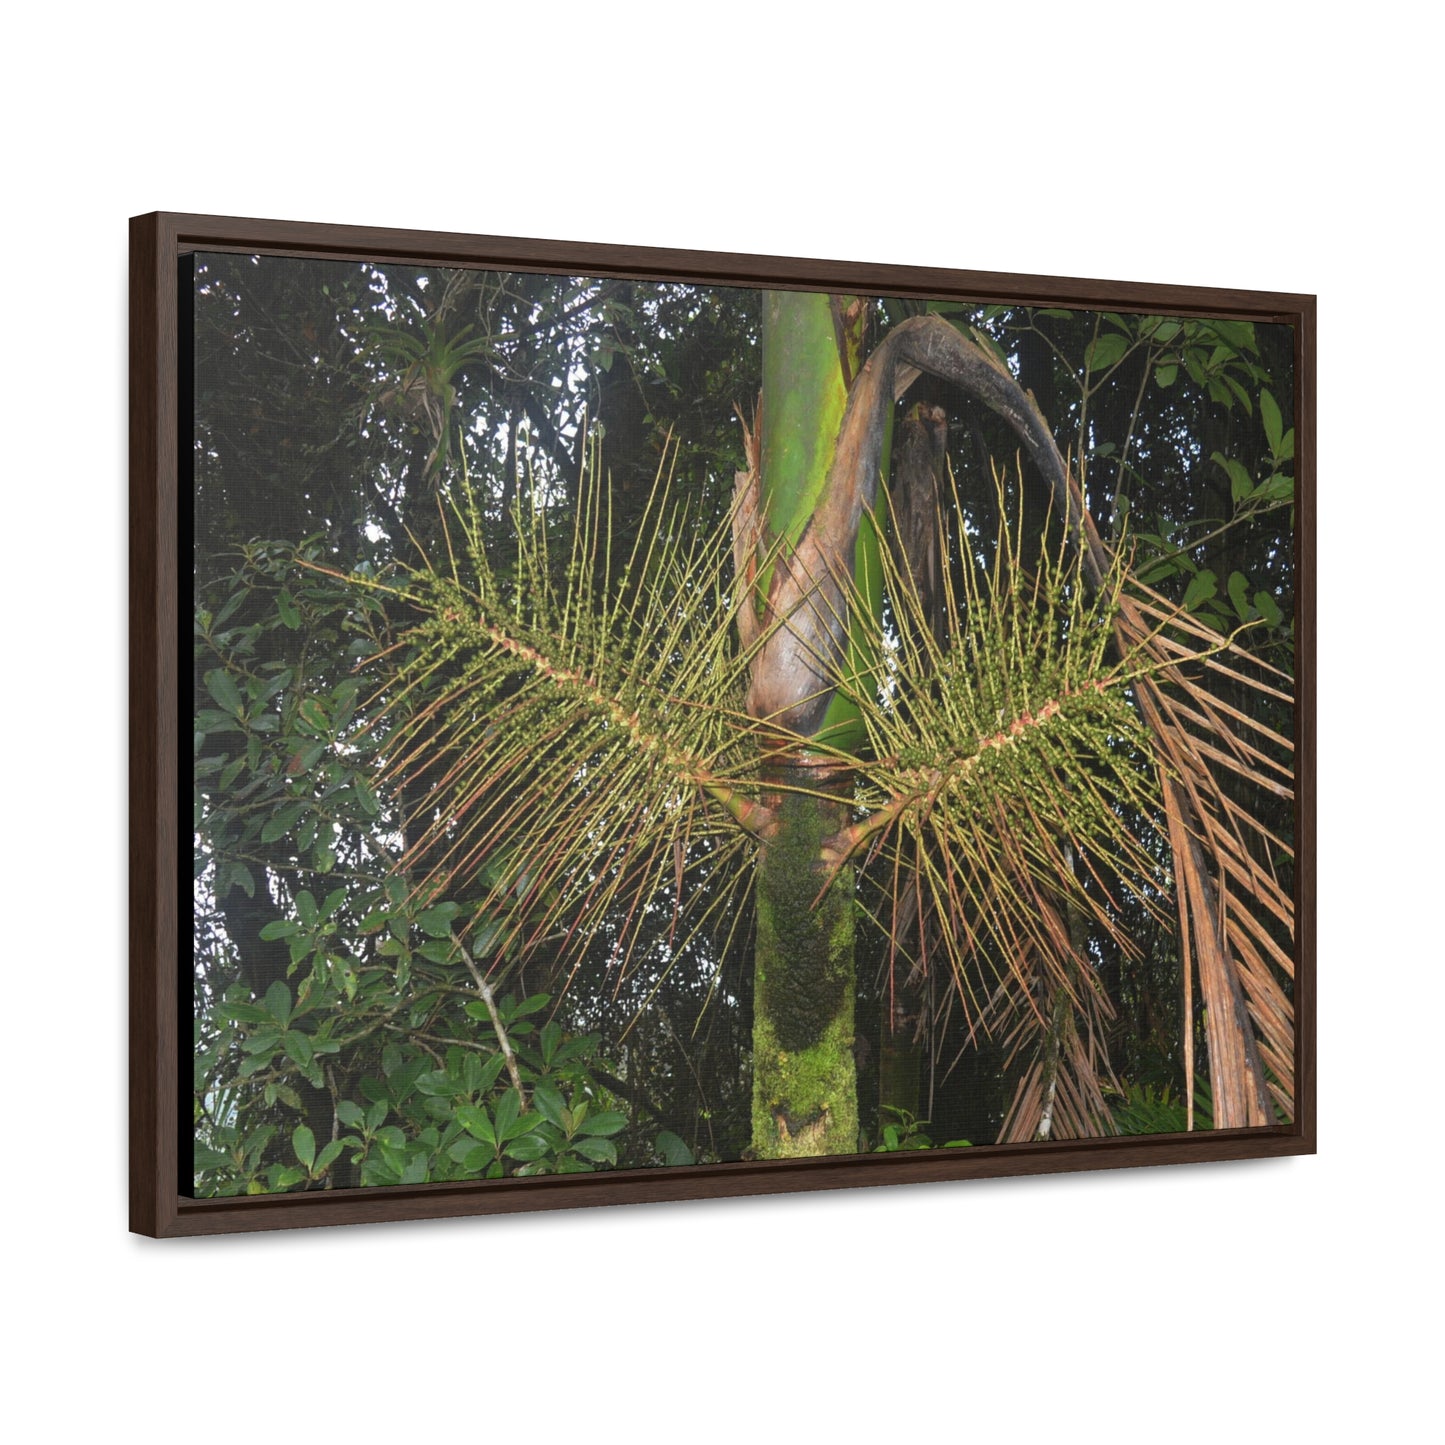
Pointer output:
x,y
360,1060
425,1115
904,1131
1150,1108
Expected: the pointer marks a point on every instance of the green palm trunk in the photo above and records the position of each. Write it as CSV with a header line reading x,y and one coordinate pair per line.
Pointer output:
x,y
805,1096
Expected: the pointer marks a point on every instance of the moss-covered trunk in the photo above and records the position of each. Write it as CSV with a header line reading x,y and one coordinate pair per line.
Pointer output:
x,y
805,1092
819,560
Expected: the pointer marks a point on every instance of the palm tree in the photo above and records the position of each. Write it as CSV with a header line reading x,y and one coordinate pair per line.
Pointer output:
x,y
1014,736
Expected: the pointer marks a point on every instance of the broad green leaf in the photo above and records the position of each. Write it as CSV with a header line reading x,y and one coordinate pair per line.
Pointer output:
x,y
1273,422
1268,608
281,822
286,606
464,1149
1167,374
508,1107
1238,588
1241,484
209,720
298,1048
245,1013
437,921
304,758
350,1114
303,1141
1202,586
484,937
607,1122
673,1150
528,1146
278,1002
314,715
548,1103
1240,393
1239,335
404,1079
601,1151
1105,351
222,687
436,1083
306,907
263,1043
475,1121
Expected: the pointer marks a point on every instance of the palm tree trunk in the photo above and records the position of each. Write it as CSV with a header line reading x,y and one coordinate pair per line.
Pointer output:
x,y
805,1092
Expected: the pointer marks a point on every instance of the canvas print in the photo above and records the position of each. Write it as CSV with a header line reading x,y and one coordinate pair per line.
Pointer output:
x,y
642,724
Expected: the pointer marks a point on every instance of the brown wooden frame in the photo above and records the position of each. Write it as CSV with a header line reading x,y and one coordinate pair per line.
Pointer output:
x,y
157,241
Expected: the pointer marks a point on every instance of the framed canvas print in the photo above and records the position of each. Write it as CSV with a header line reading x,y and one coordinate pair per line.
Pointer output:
x,y
667,724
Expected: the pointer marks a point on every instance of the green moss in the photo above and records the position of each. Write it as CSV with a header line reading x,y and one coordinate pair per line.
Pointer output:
x,y
805,1097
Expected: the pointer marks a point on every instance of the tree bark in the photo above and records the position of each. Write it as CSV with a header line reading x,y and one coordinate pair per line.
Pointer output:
x,y
805,1092
805,1087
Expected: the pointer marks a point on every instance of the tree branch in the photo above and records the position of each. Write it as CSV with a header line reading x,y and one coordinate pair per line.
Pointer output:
x,y
483,988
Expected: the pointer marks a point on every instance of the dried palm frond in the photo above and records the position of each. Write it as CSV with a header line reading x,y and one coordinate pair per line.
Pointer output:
x,y
1061,749
1236,914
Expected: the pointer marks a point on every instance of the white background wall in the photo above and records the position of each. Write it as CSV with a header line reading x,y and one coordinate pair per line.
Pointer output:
x,y
1225,144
